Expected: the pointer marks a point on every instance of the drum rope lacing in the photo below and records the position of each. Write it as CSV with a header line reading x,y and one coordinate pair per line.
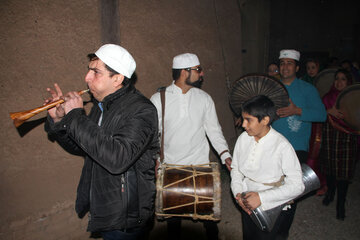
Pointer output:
x,y
196,198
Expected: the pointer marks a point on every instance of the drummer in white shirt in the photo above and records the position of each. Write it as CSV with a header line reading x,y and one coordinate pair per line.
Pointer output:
x,y
265,169
190,117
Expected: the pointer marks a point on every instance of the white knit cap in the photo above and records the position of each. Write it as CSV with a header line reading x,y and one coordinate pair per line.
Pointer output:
x,y
290,53
118,58
185,60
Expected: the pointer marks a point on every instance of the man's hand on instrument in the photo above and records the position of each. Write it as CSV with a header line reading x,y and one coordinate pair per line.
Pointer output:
x,y
56,113
290,110
241,204
251,200
228,163
72,101
335,112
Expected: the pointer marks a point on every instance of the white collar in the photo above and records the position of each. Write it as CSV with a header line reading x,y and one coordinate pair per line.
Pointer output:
x,y
263,139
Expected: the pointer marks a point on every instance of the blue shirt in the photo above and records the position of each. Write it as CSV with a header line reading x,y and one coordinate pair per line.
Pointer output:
x,y
297,129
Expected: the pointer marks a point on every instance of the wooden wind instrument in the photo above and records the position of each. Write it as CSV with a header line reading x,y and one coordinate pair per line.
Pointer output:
x,y
20,117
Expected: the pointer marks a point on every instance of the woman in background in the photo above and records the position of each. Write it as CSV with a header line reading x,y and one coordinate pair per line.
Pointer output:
x,y
339,147
312,69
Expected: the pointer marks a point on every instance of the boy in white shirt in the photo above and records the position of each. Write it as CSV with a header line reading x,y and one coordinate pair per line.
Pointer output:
x,y
263,159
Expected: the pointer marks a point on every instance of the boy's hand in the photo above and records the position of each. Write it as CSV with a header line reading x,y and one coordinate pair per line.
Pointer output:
x,y
241,204
251,200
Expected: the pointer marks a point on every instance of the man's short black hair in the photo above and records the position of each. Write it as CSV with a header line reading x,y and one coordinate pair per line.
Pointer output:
x,y
176,73
260,106
93,57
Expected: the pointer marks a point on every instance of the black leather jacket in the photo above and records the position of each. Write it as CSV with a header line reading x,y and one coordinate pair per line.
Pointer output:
x,y
117,183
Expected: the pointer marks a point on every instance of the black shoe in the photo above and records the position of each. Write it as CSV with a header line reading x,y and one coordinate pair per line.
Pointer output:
x,y
340,212
327,200
340,215
341,218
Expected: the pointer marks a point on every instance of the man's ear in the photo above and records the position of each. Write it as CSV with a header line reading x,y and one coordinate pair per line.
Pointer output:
x,y
184,73
266,120
297,68
118,80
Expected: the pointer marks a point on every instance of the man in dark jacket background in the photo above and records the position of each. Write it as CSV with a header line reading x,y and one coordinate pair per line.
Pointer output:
x,y
119,142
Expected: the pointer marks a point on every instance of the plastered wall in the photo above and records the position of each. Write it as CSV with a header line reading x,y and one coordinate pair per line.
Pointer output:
x,y
43,42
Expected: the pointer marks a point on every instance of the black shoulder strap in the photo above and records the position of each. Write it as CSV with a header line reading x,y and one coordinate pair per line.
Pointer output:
x,y
162,96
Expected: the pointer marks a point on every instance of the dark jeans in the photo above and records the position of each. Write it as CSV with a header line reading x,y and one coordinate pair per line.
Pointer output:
x,y
174,229
280,230
133,234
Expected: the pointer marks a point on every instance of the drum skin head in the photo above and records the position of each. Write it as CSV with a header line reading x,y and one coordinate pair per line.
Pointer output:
x,y
253,85
348,102
324,80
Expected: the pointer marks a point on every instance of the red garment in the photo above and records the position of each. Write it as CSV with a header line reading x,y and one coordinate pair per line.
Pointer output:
x,y
314,149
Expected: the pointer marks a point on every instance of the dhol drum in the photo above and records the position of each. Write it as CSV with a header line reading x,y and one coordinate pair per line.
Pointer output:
x,y
324,80
189,191
348,103
265,220
252,85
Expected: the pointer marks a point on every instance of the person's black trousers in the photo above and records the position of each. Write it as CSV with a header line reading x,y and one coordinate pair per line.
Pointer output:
x,y
280,230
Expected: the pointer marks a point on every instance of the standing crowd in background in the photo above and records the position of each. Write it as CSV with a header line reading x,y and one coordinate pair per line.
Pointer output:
x,y
333,146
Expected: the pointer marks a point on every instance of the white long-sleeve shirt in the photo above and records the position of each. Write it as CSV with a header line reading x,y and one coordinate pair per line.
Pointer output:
x,y
265,161
189,118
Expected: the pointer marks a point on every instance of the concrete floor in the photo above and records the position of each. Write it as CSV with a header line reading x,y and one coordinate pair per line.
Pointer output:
x,y
312,220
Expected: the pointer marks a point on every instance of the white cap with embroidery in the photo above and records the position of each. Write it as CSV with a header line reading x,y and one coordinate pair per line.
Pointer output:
x,y
290,53
118,58
185,60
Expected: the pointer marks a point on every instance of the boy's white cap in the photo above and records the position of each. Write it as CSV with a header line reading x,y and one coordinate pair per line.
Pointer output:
x,y
185,60
118,58
290,53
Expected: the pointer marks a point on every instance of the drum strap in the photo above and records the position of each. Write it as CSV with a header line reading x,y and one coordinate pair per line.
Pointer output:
x,y
162,96
274,184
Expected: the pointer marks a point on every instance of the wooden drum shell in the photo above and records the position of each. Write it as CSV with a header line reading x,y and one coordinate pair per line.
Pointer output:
x,y
189,191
